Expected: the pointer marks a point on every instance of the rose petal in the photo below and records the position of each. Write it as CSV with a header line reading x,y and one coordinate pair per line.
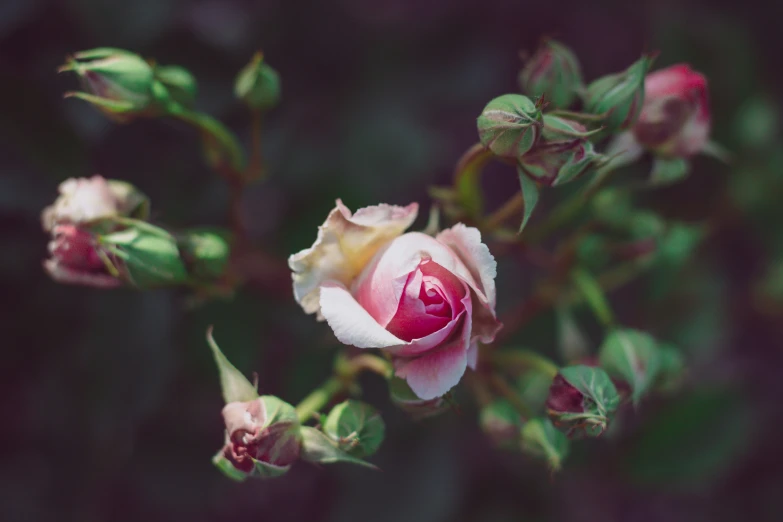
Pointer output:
x,y
350,322
436,372
344,246
473,353
63,274
81,200
475,255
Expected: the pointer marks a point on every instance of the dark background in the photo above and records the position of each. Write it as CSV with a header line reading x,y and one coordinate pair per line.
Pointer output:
x,y
110,402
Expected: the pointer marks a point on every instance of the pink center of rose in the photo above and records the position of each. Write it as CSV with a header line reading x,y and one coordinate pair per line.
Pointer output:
x,y
431,299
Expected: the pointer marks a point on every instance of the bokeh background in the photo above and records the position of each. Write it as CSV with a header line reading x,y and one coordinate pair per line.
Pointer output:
x,y
109,400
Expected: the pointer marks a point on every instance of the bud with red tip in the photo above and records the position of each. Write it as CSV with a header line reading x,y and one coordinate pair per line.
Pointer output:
x,y
675,117
582,401
553,72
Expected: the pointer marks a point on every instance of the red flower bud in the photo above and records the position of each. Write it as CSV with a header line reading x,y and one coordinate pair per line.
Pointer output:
x,y
75,259
675,118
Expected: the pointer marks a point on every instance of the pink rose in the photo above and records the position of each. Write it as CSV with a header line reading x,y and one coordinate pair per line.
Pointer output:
x,y
75,259
427,301
675,117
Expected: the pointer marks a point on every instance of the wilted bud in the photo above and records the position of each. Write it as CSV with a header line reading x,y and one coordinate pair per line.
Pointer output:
x,y
563,154
262,438
175,84
619,96
356,427
675,118
510,125
582,401
85,200
632,356
258,85
404,398
553,72
502,423
77,258
541,439
117,82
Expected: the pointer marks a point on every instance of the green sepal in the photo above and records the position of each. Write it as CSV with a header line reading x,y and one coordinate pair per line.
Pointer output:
x,y
403,397
632,356
179,84
619,96
530,193
541,439
319,448
236,388
205,251
260,470
356,427
258,85
149,254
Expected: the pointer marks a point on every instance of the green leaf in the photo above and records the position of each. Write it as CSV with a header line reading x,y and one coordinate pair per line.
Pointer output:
x,y
357,428
541,439
530,193
668,171
594,295
633,356
236,388
572,344
317,447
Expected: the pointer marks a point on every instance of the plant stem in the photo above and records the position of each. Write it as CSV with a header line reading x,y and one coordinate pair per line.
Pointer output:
x,y
513,206
525,360
256,169
467,179
216,132
510,394
319,398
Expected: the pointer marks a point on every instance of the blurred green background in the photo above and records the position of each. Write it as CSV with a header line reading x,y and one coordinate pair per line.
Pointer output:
x,y
110,400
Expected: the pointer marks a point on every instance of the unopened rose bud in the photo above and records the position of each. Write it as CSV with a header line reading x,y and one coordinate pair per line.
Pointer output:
x,y
553,72
510,125
404,398
502,423
563,154
117,82
205,253
619,96
541,439
582,401
262,438
175,84
77,258
258,85
356,427
675,117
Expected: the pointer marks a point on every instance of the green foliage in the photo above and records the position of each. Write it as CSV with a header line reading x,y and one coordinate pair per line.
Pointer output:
x,y
633,356
319,448
541,439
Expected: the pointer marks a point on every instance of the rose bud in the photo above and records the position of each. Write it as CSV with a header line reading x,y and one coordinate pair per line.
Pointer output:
x,y
553,72
632,356
675,117
258,85
117,82
205,253
76,258
582,401
510,125
541,439
175,84
619,96
426,301
502,423
563,154
262,438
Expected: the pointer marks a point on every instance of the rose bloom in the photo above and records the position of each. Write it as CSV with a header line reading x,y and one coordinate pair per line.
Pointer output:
x,y
427,301
247,437
675,117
